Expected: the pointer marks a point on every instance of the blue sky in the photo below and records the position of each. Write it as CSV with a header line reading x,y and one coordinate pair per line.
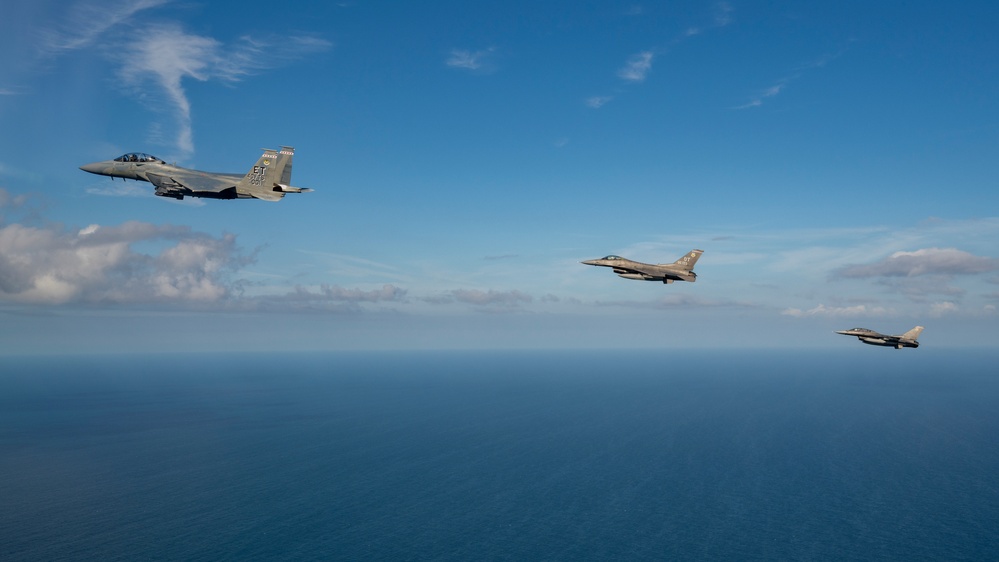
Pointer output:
x,y
836,162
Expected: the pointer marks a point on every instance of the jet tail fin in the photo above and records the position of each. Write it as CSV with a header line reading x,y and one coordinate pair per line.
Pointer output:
x,y
913,333
270,177
285,154
265,173
689,259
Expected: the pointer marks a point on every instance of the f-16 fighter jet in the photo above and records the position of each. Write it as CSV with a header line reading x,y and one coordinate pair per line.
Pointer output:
x,y
871,337
269,179
680,270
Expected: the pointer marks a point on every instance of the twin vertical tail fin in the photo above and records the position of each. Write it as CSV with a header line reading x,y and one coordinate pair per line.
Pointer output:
x,y
270,177
284,160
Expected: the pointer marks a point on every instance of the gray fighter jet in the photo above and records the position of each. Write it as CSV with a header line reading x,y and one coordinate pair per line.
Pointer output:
x,y
269,179
871,337
680,270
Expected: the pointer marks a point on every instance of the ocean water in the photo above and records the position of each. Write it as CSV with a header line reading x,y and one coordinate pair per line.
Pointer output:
x,y
858,454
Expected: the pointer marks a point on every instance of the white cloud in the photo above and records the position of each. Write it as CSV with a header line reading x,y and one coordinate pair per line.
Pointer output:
x,y
470,60
721,17
596,102
919,289
343,265
335,293
165,55
767,93
482,298
162,55
637,67
8,201
103,265
838,311
777,88
85,22
322,299
927,261
674,301
99,264
723,14
939,309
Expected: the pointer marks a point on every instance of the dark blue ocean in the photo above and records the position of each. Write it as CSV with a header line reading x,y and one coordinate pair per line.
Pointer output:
x,y
859,454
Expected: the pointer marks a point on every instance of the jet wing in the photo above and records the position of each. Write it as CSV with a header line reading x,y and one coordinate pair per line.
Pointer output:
x,y
186,182
635,267
656,272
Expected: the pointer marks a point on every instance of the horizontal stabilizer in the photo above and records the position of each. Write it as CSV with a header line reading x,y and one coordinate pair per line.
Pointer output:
x,y
267,195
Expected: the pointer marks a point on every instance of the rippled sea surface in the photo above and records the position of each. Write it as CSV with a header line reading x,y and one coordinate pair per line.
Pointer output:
x,y
862,453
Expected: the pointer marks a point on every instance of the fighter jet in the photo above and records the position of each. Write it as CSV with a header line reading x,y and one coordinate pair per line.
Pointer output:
x,y
871,337
269,179
680,270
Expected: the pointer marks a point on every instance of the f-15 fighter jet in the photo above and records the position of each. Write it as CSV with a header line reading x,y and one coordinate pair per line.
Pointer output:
x,y
269,179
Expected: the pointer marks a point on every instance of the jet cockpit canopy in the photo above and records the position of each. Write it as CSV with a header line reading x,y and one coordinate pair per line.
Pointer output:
x,y
613,257
137,157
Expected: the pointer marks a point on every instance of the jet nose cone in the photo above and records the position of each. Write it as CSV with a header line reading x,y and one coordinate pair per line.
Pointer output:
x,y
590,262
93,167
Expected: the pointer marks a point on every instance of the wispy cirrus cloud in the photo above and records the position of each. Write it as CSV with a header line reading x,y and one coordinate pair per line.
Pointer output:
x,y
86,22
778,87
471,60
353,266
155,59
637,67
770,92
166,55
722,16
596,102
